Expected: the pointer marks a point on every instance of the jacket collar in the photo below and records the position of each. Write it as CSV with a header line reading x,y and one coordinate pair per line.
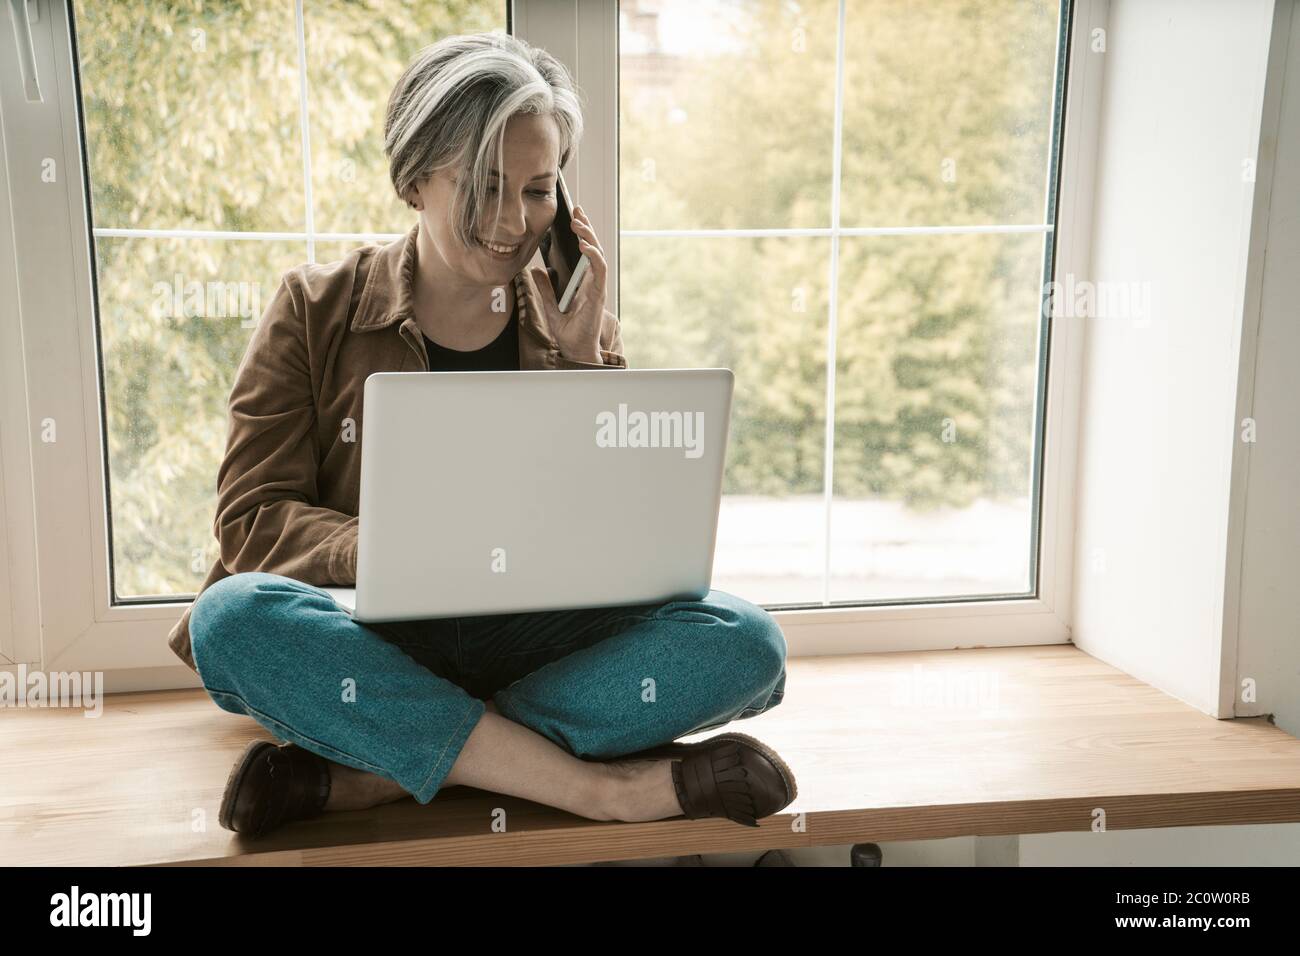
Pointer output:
x,y
388,295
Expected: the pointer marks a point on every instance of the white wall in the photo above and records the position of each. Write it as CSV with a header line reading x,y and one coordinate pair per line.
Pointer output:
x,y
1268,616
1180,117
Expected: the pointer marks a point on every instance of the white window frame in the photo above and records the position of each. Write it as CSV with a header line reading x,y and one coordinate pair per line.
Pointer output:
x,y
54,540
584,33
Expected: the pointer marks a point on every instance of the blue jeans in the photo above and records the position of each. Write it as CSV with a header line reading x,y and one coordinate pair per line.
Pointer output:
x,y
400,699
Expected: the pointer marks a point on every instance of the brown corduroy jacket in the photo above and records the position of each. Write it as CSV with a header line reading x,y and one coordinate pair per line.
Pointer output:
x,y
288,488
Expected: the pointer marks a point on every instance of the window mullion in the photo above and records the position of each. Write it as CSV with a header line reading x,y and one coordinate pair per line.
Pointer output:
x,y
828,473
306,129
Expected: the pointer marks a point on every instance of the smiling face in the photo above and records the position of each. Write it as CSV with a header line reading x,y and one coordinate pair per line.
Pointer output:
x,y
527,191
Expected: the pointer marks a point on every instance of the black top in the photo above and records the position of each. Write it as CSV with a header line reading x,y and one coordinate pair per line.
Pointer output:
x,y
501,353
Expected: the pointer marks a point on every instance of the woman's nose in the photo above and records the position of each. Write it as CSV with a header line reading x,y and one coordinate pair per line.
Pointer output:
x,y
512,224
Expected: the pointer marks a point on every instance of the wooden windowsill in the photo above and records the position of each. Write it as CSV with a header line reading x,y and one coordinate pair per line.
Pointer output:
x,y
1033,740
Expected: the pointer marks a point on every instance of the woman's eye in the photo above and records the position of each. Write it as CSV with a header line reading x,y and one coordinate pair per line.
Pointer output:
x,y
540,194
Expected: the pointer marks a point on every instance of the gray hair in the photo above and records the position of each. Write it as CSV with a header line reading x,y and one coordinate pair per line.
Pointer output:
x,y
450,107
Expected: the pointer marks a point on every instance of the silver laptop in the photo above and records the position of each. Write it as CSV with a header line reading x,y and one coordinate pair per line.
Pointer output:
x,y
496,492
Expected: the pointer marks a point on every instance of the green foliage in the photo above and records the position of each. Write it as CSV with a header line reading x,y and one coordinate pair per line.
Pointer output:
x,y
947,121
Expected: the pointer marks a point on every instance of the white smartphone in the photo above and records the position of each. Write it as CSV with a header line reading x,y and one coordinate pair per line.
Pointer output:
x,y
566,264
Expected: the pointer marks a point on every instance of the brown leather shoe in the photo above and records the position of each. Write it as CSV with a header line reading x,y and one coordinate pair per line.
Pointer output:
x,y
730,775
271,785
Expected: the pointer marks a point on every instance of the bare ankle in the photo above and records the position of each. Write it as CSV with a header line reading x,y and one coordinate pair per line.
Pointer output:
x,y
637,791
352,789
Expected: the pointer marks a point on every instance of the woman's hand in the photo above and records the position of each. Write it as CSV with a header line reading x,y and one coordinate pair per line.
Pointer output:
x,y
578,330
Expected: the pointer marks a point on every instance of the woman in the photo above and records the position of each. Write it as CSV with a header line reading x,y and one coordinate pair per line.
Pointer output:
x,y
533,705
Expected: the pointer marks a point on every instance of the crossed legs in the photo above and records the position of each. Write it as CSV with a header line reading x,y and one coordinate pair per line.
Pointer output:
x,y
281,652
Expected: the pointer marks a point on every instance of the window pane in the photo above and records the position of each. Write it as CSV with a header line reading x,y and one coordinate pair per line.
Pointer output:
x,y
727,123
175,316
726,114
191,115
355,53
193,122
936,369
947,111
758,307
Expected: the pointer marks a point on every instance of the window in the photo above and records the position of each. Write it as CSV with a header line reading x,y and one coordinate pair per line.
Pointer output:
x,y
851,205
225,143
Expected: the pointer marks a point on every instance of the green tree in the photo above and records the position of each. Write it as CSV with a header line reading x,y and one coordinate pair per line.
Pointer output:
x,y
947,120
